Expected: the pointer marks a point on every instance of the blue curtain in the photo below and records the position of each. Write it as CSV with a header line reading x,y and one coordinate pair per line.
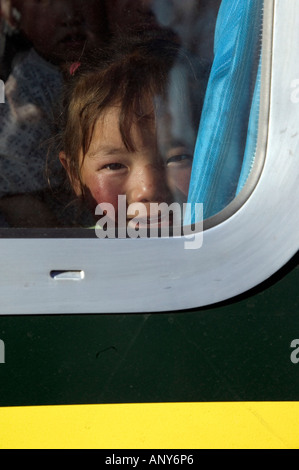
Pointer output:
x,y
227,136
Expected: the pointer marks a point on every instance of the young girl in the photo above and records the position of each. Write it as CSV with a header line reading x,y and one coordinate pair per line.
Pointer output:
x,y
130,126
59,32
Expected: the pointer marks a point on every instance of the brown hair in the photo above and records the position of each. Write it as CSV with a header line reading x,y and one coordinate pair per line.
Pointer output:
x,y
126,73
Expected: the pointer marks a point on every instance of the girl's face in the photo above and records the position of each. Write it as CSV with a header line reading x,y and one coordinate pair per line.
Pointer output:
x,y
144,175
60,30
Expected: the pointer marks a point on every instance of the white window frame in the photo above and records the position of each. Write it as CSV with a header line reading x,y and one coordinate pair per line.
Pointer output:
x,y
242,246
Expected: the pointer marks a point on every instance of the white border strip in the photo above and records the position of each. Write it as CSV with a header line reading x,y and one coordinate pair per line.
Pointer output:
x,y
149,275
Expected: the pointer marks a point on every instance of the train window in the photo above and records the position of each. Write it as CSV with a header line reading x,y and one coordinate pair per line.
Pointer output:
x,y
139,108
191,90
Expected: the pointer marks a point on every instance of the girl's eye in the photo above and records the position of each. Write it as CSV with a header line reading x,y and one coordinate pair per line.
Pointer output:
x,y
114,166
180,159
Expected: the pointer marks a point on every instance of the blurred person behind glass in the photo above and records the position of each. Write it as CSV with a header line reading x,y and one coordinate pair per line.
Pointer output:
x,y
59,32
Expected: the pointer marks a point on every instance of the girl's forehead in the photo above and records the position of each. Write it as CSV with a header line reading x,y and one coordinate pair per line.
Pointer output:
x,y
147,132
142,113
108,124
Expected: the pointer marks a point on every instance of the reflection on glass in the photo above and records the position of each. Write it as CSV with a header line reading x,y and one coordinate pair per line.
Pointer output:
x,y
104,100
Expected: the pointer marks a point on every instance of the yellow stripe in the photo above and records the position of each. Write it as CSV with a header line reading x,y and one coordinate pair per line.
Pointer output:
x,y
251,425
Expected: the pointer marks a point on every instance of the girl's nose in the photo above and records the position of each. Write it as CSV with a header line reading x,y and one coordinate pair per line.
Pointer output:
x,y
149,184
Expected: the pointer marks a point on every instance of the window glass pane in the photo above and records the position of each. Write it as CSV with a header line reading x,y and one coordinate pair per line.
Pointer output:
x,y
114,108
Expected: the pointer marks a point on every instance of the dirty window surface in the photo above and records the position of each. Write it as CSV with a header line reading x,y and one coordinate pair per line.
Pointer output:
x,y
109,110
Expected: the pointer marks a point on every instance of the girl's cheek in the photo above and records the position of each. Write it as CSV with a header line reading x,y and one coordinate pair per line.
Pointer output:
x,y
103,190
180,179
